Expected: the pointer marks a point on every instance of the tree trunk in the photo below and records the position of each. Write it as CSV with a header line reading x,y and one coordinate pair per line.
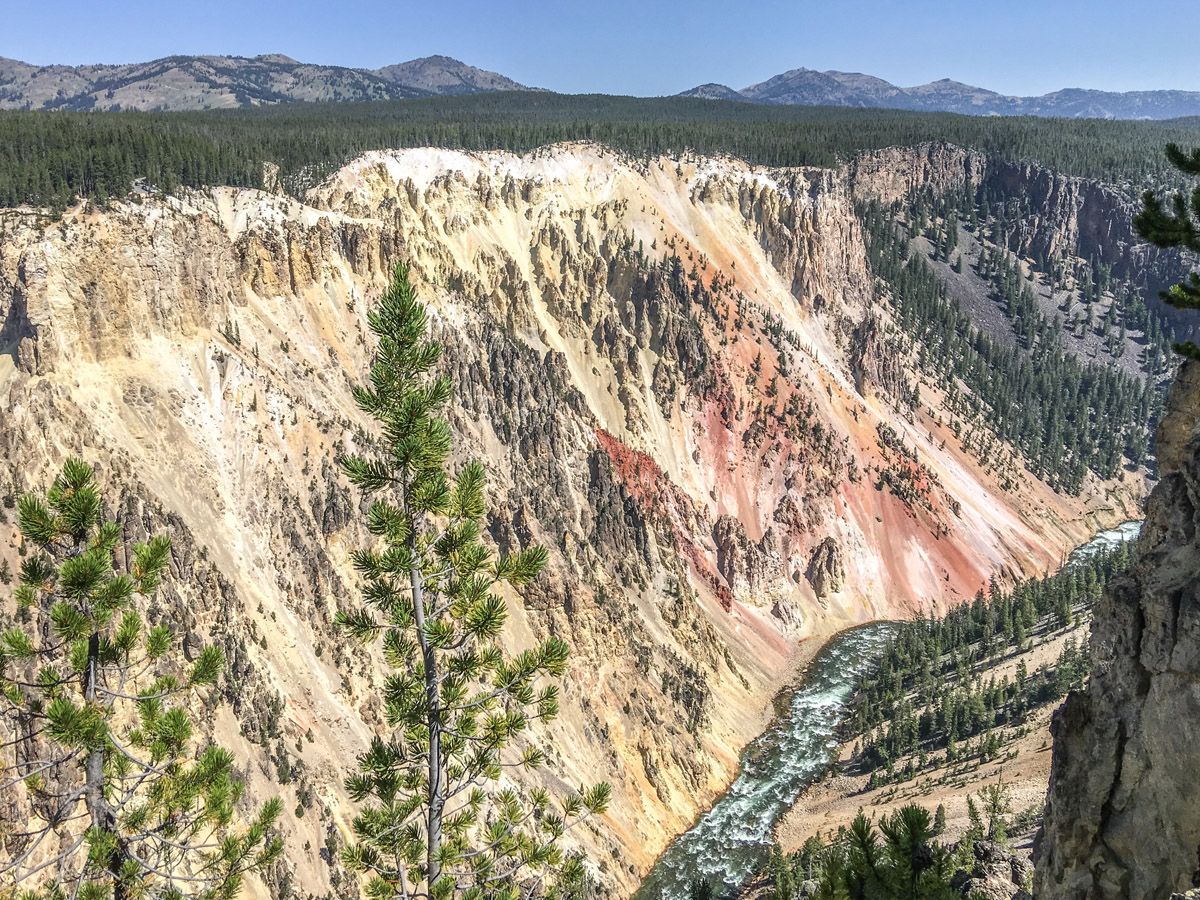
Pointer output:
x,y
103,816
435,794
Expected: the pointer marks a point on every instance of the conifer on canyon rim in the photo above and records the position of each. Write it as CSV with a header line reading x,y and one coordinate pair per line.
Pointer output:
x,y
120,798
438,824
1179,227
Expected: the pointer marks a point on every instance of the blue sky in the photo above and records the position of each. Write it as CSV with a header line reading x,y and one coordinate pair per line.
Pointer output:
x,y
647,47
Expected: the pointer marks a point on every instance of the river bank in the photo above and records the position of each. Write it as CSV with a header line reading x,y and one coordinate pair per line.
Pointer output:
x,y
833,801
786,789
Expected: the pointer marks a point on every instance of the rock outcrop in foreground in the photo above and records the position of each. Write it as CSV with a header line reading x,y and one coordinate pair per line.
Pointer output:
x,y
997,874
1123,814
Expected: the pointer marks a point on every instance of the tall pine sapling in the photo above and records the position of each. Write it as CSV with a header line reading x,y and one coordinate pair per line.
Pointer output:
x,y
996,806
439,825
1177,227
98,748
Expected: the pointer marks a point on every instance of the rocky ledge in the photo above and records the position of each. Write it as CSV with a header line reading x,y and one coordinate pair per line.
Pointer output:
x,y
1122,817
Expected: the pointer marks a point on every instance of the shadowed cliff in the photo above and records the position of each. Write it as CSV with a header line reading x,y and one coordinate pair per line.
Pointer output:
x,y
1122,818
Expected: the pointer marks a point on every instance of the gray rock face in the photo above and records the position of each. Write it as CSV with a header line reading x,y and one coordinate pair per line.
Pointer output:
x,y
1122,817
1064,213
997,875
826,573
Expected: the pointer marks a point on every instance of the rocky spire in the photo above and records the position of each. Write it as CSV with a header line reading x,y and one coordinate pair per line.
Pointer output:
x,y
1122,817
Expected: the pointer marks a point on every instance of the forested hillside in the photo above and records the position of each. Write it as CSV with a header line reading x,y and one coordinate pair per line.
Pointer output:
x,y
1064,414
50,158
932,691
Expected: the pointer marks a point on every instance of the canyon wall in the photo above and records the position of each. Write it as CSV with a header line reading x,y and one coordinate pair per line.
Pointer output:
x,y
1122,818
677,370
1049,214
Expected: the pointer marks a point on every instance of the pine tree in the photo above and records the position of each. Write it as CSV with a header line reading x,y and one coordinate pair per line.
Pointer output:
x,y
918,869
905,865
439,825
1180,227
975,821
939,820
99,748
996,806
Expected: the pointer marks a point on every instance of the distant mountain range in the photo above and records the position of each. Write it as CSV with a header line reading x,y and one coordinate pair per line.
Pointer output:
x,y
208,82
807,87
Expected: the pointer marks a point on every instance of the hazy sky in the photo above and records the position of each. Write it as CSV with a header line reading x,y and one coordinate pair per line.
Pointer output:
x,y
647,47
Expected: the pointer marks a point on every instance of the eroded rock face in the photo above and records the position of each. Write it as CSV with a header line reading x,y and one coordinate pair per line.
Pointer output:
x,y
826,572
653,357
748,567
1078,216
894,173
1123,813
1049,213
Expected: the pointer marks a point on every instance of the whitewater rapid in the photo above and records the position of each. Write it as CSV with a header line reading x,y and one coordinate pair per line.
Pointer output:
x,y
729,842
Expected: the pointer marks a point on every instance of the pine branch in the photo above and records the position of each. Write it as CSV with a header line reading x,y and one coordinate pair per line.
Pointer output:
x,y
42,765
53,861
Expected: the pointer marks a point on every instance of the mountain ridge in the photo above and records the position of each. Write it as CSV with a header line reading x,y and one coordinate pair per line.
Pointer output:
x,y
208,81
183,82
809,87
441,75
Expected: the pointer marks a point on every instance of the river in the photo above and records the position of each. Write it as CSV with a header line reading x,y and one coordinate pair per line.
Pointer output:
x,y
730,842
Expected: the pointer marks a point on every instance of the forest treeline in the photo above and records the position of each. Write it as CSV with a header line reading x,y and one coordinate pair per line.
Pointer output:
x,y
49,158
